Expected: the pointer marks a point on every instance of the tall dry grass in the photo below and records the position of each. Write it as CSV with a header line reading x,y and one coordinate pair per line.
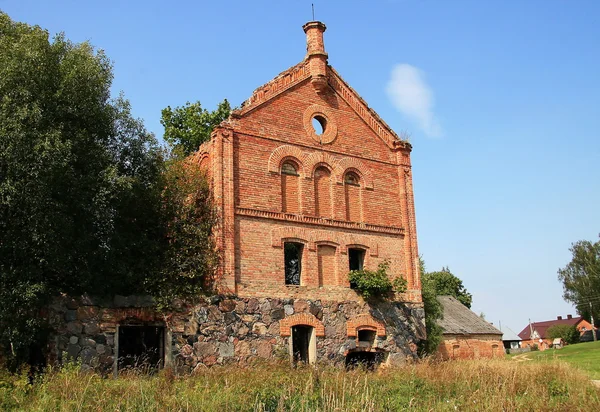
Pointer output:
x,y
495,385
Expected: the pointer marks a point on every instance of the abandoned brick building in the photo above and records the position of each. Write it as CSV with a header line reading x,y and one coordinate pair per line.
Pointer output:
x,y
309,183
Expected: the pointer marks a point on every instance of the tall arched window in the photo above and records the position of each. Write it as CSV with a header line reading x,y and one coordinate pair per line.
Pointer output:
x,y
323,192
289,187
352,194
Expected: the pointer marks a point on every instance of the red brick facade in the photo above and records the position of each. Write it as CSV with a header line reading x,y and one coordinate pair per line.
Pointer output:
x,y
471,346
276,180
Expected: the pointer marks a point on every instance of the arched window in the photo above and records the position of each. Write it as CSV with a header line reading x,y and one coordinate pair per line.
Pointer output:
x,y
323,202
352,195
289,188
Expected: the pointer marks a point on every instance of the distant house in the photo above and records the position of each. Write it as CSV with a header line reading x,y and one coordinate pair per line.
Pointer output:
x,y
510,339
465,334
536,333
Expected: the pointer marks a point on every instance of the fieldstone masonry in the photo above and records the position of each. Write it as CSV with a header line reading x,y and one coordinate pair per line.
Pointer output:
x,y
228,330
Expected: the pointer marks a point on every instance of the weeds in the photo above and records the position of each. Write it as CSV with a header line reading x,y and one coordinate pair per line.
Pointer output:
x,y
460,385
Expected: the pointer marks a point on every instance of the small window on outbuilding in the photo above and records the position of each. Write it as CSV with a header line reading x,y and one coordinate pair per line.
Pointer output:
x,y
293,262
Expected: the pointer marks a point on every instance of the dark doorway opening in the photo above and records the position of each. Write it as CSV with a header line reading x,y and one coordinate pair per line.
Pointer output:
x,y
300,343
366,360
141,347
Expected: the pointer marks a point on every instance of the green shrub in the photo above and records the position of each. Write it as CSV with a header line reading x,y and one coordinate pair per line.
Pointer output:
x,y
568,333
376,283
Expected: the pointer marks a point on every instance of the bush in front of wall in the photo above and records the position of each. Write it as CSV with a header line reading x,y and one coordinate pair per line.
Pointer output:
x,y
376,283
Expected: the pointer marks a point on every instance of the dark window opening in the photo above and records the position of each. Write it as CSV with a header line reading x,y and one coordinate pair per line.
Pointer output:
x,y
300,343
366,337
351,179
288,168
356,258
141,348
293,262
319,125
366,360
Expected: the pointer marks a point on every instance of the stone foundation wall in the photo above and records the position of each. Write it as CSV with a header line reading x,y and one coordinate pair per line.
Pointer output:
x,y
229,330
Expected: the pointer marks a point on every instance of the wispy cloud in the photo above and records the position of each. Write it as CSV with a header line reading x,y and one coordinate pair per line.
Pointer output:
x,y
412,96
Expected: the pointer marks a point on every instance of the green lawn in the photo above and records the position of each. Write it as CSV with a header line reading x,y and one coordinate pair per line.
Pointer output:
x,y
585,356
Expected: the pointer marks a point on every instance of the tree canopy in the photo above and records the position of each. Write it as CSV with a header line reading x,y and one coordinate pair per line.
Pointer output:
x,y
433,312
445,283
188,126
568,333
83,204
581,278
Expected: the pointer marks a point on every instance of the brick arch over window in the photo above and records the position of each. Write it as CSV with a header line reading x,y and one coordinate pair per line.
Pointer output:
x,y
351,164
279,234
364,321
308,319
351,240
282,153
317,159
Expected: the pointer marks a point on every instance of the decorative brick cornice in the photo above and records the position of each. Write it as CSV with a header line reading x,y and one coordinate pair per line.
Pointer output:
x,y
308,319
364,321
278,85
364,111
317,221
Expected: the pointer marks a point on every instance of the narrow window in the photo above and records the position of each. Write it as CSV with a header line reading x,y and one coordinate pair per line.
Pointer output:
x,y
293,262
352,196
326,258
323,202
356,258
289,188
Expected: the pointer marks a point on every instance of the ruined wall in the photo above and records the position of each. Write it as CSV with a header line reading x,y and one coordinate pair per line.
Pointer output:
x,y
221,331
471,346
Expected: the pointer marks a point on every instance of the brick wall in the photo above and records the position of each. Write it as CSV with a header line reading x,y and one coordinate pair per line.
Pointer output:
x,y
471,346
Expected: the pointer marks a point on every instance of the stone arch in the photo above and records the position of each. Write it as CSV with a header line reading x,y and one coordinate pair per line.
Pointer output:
x,y
285,152
308,319
365,321
351,164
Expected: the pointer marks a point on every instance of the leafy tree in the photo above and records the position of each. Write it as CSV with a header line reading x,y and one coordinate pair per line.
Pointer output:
x,y
433,312
445,283
376,283
187,127
87,203
581,277
568,333
190,261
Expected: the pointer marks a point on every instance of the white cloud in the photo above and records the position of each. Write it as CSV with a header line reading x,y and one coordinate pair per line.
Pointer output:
x,y
412,96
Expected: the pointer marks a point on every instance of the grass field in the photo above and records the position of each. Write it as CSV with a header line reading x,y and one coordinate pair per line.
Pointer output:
x,y
584,356
491,385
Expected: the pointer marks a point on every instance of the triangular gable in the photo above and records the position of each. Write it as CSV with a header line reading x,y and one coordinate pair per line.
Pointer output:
x,y
298,74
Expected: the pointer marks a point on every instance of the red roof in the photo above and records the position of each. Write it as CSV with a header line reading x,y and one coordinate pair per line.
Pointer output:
x,y
542,327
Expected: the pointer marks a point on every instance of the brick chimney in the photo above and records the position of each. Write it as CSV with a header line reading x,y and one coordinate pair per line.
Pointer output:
x,y
559,318
569,316
317,58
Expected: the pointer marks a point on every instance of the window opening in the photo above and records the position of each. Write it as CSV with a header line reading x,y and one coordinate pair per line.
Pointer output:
x,y
366,360
366,337
141,348
301,336
323,192
351,179
319,124
293,262
356,258
289,168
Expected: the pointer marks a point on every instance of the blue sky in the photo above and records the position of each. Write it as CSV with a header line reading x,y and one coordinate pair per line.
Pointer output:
x,y
501,99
